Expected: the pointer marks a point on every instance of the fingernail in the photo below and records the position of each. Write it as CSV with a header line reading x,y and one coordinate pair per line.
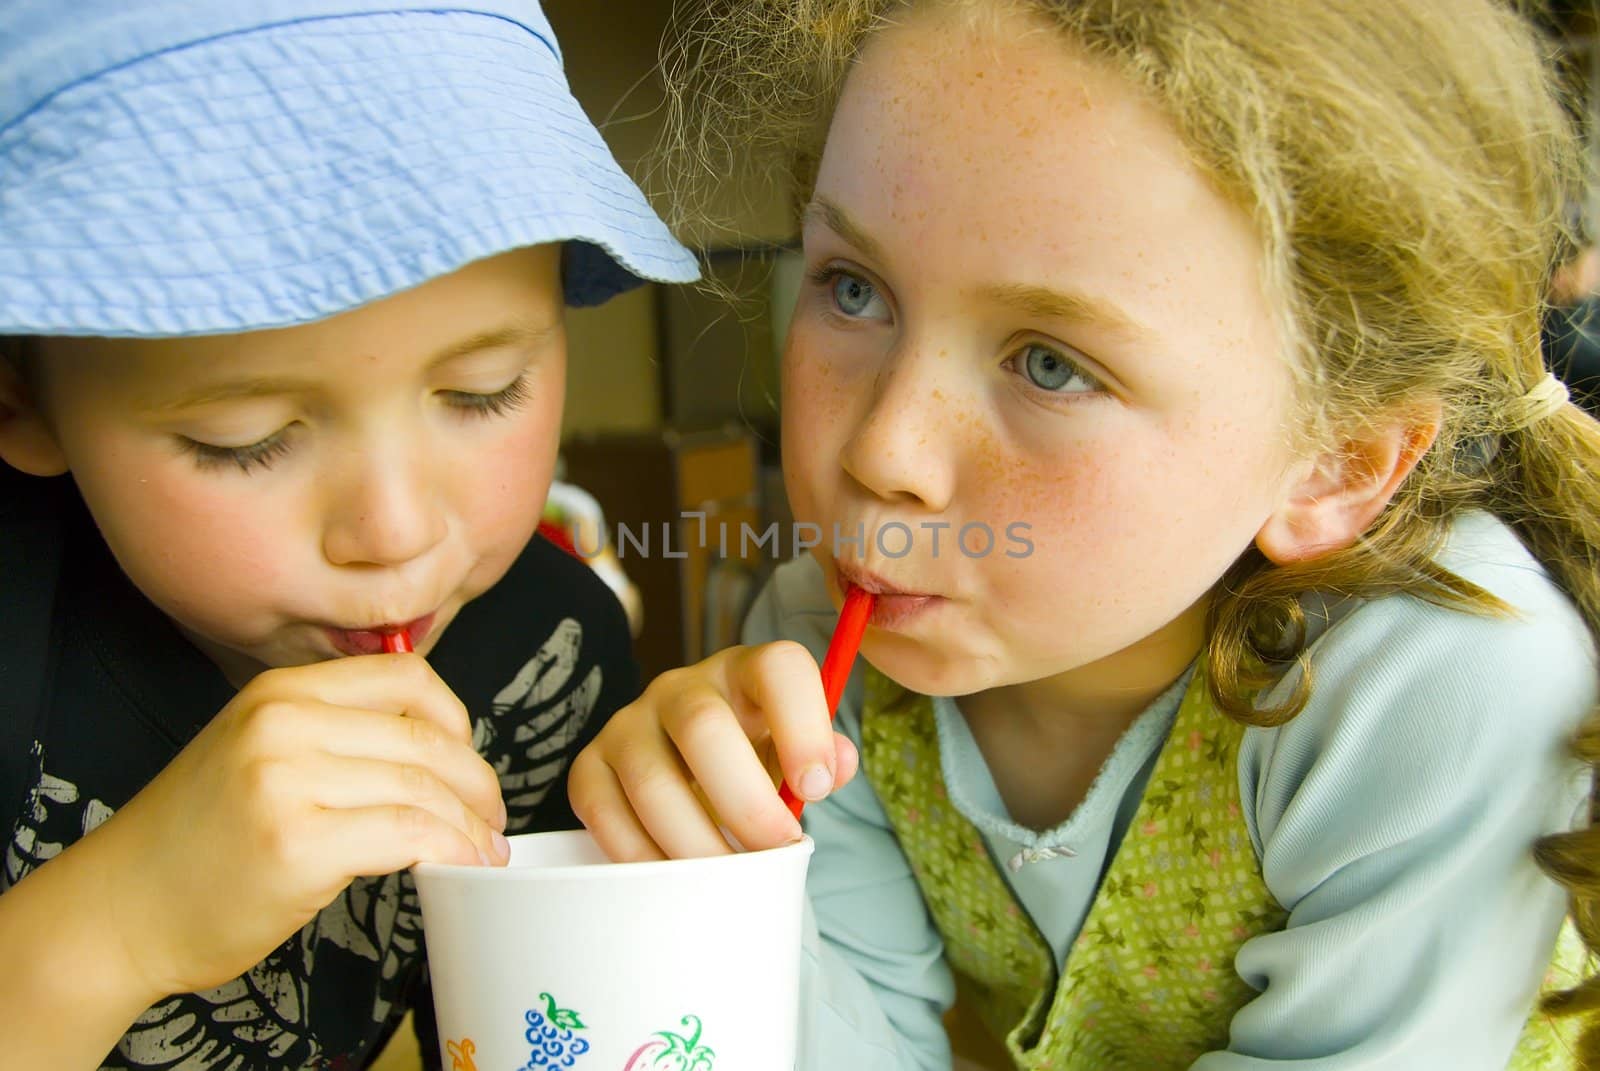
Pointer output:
x,y
816,783
502,846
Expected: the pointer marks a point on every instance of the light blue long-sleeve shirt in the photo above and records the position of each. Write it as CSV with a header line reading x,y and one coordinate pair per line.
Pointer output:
x,y
1393,818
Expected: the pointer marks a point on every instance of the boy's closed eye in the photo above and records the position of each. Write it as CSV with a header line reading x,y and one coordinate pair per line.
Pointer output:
x,y
264,452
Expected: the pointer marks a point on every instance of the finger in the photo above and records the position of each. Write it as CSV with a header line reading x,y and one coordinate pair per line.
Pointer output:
x,y
656,783
602,806
298,728
371,841
393,683
342,783
409,741
846,760
721,759
781,680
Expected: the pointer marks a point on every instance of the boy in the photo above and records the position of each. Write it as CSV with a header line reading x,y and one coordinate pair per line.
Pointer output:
x,y
282,287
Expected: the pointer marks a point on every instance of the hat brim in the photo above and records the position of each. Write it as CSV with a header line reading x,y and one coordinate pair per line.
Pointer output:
x,y
285,174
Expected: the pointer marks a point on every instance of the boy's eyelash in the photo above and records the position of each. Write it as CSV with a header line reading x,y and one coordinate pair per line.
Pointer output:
x,y
263,454
512,396
257,455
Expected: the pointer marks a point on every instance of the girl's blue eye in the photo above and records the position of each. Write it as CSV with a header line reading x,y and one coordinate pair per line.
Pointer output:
x,y
1050,370
852,294
849,294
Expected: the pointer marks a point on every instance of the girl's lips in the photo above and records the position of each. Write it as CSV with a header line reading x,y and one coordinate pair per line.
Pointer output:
x,y
895,611
891,606
363,641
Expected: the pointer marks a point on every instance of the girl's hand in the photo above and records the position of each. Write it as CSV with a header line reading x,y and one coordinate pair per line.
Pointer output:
x,y
310,777
695,752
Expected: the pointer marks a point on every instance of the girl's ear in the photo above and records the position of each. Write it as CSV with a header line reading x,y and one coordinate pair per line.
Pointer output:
x,y
26,441
1341,492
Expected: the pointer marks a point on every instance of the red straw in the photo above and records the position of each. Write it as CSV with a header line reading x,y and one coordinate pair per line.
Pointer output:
x,y
397,642
836,665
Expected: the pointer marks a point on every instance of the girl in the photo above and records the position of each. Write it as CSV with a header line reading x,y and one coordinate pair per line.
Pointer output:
x,y
1238,758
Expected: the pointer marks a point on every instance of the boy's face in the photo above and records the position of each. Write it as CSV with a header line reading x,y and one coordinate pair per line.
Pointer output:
x,y
283,495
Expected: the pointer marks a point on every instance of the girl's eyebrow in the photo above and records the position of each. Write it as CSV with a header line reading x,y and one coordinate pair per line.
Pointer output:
x,y
837,220
1035,301
1072,306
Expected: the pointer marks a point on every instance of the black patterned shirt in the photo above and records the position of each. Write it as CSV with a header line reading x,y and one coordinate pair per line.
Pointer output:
x,y
99,692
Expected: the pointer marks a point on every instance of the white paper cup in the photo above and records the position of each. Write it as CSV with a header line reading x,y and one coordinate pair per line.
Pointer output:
x,y
561,960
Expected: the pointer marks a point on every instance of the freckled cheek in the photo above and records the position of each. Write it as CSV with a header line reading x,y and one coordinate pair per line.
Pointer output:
x,y
1064,533
1065,501
1088,532
806,470
817,403
817,370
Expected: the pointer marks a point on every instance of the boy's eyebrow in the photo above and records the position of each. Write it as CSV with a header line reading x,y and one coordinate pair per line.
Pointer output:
x,y
256,386
259,386
517,333
1036,301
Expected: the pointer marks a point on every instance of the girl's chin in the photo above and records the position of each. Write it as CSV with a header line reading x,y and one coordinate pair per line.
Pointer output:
x,y
914,667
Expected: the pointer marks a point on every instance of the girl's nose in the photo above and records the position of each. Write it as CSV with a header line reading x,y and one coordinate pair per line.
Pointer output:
x,y
900,448
385,514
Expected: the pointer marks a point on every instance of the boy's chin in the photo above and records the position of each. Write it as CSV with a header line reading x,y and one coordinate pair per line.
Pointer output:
x,y
240,666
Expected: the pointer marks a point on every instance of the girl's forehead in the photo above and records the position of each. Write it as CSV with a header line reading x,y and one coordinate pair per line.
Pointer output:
x,y
942,93
995,174
1036,152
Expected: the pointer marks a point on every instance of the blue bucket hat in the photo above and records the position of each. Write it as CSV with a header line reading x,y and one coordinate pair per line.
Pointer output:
x,y
178,167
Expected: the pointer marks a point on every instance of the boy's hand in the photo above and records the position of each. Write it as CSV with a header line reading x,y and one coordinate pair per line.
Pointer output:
x,y
691,753
310,777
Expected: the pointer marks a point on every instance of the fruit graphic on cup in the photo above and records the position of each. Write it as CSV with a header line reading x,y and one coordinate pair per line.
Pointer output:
x,y
551,1033
673,1052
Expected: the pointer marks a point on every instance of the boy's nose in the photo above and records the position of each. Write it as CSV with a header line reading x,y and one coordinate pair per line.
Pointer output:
x,y
385,515
900,448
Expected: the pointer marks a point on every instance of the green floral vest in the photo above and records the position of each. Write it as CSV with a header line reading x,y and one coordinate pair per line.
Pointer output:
x,y
1149,983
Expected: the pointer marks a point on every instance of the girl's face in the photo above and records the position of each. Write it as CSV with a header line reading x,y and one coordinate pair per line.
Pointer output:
x,y
1027,314
284,495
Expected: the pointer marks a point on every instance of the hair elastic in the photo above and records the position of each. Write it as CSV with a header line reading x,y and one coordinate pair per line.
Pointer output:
x,y
1543,399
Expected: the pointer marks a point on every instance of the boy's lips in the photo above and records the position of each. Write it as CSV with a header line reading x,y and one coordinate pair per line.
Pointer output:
x,y
362,641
